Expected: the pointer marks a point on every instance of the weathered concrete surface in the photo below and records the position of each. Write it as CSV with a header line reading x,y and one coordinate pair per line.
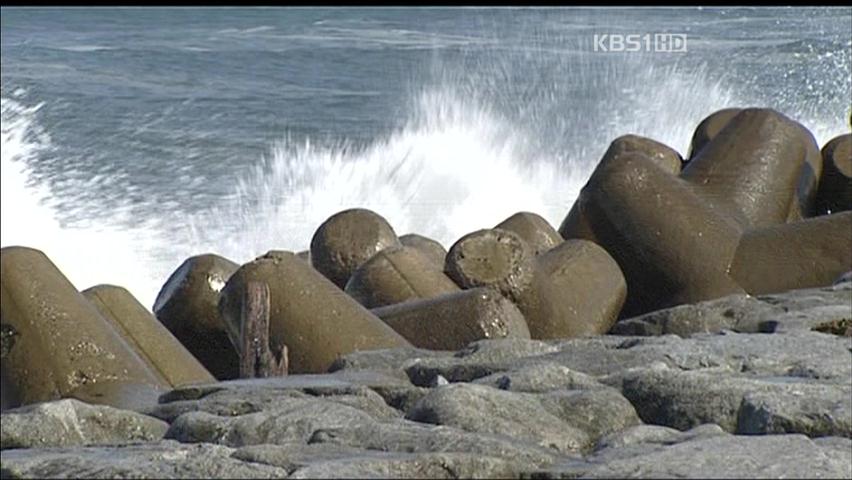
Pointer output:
x,y
308,314
451,321
396,275
346,240
56,344
187,306
432,249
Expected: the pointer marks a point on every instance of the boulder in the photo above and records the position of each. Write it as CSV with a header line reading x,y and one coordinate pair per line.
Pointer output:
x,y
70,422
712,455
166,459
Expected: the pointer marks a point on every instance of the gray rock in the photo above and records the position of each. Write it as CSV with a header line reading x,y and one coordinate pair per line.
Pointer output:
x,y
704,317
793,300
540,378
845,278
70,422
295,455
801,353
655,434
739,403
406,465
798,407
166,459
478,360
387,361
713,456
597,412
782,312
291,420
401,398
413,437
239,397
481,409
810,309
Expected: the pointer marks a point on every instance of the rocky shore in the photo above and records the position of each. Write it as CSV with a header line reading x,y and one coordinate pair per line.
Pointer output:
x,y
690,317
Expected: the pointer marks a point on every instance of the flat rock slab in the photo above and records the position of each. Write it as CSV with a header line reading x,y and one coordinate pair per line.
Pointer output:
x,y
567,421
712,455
361,389
70,422
540,378
414,437
809,353
166,459
328,460
795,382
397,465
739,403
804,309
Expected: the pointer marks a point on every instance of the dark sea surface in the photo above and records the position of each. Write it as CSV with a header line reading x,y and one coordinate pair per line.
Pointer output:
x,y
133,138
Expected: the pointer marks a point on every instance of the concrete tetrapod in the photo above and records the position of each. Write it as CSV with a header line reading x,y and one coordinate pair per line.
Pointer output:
x,y
805,254
672,246
317,321
346,240
187,306
147,336
491,258
397,274
708,128
432,249
578,289
575,224
575,288
806,190
62,346
534,229
762,168
453,320
835,186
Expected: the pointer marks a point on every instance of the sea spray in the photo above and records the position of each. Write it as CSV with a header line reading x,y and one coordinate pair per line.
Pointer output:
x,y
476,143
133,257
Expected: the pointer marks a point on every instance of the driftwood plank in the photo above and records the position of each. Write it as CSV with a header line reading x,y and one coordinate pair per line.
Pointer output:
x,y
256,357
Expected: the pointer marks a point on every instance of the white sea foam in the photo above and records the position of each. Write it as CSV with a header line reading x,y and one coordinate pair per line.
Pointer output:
x,y
99,253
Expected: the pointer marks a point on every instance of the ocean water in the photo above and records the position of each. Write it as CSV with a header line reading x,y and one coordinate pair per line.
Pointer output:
x,y
135,138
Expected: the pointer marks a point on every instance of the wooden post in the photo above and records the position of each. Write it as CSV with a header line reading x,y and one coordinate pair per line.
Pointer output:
x,y
256,358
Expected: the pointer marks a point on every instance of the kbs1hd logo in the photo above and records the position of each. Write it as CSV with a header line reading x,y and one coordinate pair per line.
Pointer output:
x,y
649,42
